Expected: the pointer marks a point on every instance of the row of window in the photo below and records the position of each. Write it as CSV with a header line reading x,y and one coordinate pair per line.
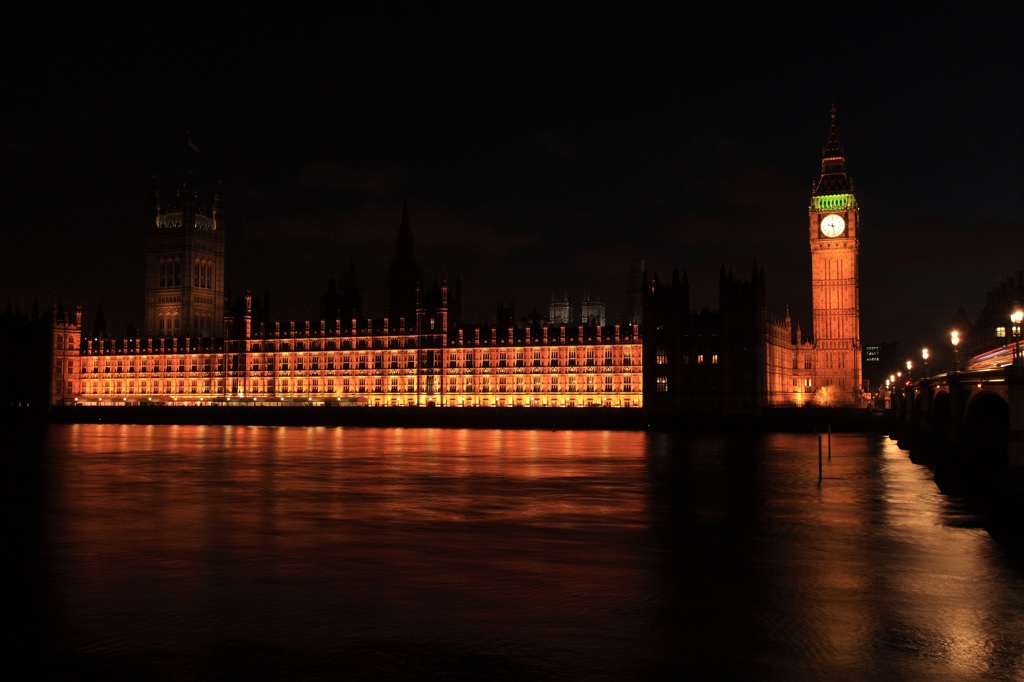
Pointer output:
x,y
169,324
256,366
661,358
362,385
360,361
170,272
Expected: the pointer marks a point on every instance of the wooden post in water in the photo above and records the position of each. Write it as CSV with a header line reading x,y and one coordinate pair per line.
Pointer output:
x,y
819,458
830,442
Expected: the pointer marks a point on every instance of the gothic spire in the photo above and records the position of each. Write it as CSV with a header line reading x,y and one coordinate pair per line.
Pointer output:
x,y
404,276
833,165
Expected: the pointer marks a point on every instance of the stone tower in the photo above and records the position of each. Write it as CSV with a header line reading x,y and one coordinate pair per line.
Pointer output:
x,y
185,267
834,222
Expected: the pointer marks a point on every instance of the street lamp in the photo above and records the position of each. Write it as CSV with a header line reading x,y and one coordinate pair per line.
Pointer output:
x,y
1015,319
924,356
909,365
954,338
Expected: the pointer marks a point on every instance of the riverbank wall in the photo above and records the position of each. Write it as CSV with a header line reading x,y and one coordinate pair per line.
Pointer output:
x,y
806,420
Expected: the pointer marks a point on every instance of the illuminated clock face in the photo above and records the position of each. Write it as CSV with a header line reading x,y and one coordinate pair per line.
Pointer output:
x,y
832,225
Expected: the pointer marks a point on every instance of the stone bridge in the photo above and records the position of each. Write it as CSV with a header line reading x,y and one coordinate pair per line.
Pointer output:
x,y
966,424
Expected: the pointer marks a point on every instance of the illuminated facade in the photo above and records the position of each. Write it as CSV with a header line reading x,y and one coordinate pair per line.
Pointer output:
x,y
834,221
418,355
371,365
741,357
665,358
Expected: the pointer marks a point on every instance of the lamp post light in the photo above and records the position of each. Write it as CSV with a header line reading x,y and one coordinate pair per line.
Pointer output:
x,y
954,338
924,356
909,365
1015,319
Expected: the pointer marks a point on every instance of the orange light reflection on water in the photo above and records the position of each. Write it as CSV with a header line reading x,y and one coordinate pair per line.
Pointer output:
x,y
183,519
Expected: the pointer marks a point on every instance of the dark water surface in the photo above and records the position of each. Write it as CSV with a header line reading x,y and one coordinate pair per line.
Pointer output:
x,y
210,552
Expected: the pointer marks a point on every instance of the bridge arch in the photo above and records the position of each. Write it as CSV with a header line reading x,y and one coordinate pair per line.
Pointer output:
x,y
939,420
986,430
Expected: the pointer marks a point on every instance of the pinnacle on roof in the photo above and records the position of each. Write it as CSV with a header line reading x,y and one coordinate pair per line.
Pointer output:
x,y
833,165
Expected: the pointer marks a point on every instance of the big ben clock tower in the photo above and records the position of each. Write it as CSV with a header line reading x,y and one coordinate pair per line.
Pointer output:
x,y
834,219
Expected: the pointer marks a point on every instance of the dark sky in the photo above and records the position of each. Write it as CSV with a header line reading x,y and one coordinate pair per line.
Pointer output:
x,y
538,152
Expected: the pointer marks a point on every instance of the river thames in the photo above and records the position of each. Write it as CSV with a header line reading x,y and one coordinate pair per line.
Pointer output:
x,y
259,552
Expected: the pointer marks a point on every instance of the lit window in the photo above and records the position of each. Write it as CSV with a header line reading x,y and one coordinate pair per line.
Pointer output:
x,y
1000,332
662,384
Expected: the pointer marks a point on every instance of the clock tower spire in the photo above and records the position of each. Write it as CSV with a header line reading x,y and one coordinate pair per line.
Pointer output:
x,y
834,222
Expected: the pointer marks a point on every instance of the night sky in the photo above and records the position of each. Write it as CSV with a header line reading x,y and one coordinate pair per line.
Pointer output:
x,y
538,153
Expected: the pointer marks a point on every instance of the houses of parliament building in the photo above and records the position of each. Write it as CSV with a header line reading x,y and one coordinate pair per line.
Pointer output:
x,y
198,349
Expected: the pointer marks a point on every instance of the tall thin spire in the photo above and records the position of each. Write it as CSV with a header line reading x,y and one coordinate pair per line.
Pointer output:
x,y
404,277
833,164
405,218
